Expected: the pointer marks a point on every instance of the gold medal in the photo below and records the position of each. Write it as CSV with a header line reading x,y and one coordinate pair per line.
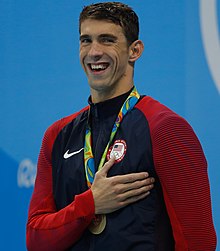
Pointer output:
x,y
98,224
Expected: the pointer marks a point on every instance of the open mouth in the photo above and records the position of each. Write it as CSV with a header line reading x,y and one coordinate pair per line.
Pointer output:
x,y
98,67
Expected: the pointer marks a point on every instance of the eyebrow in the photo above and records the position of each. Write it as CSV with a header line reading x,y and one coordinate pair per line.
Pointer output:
x,y
108,35
100,36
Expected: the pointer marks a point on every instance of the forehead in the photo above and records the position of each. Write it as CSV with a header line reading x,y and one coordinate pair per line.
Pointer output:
x,y
98,27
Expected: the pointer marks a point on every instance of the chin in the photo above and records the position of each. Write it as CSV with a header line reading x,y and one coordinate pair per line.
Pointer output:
x,y
100,86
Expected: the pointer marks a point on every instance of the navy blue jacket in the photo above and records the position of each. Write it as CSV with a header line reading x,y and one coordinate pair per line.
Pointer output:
x,y
177,214
141,226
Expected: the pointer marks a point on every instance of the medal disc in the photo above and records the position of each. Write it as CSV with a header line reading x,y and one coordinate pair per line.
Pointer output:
x,y
98,224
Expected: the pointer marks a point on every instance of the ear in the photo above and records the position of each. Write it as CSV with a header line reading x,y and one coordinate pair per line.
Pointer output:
x,y
135,50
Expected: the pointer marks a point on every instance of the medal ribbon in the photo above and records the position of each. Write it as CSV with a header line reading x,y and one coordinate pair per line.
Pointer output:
x,y
129,103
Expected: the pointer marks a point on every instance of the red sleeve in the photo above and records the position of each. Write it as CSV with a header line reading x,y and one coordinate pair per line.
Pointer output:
x,y
182,169
47,228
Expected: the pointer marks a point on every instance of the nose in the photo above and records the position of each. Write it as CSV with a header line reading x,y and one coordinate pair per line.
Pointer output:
x,y
95,50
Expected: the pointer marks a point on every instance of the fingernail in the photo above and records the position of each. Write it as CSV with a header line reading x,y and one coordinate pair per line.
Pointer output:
x,y
112,158
146,174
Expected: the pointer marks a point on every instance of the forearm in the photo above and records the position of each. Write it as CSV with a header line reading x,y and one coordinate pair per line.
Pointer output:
x,y
50,230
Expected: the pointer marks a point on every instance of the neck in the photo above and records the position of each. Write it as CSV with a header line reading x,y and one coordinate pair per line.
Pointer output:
x,y
109,93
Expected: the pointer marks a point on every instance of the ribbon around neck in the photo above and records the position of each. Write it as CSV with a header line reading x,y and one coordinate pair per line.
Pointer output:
x,y
89,162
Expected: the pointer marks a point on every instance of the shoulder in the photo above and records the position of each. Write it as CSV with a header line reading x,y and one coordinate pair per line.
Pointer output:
x,y
54,129
157,113
169,131
163,121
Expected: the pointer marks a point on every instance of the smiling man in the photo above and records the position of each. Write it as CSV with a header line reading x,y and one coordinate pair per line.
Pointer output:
x,y
125,173
107,58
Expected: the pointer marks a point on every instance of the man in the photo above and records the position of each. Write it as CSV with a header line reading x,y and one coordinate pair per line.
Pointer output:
x,y
95,186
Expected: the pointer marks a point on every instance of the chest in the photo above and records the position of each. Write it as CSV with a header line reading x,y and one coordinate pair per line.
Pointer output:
x,y
131,145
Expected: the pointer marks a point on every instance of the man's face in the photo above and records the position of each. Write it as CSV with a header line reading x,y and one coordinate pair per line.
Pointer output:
x,y
104,54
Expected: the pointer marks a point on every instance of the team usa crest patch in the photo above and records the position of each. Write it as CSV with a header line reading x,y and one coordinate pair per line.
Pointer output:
x,y
118,149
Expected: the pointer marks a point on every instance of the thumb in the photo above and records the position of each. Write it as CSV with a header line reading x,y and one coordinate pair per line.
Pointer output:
x,y
107,166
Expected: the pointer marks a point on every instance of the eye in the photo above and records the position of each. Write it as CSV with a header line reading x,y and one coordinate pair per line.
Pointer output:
x,y
107,40
85,40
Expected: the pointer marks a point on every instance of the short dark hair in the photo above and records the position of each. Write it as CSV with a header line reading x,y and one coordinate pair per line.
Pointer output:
x,y
116,12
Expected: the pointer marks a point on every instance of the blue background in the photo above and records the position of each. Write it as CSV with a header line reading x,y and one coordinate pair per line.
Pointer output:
x,y
41,81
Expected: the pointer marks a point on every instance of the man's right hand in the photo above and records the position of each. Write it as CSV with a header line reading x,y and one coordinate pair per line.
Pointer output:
x,y
113,193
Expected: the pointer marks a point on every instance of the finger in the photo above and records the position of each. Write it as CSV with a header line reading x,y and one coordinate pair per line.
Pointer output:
x,y
134,194
121,188
107,166
130,178
133,199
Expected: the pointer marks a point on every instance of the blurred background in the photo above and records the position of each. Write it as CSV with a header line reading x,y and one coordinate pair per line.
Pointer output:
x,y
41,81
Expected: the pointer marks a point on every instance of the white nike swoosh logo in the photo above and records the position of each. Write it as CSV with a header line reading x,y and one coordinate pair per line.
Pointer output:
x,y
68,155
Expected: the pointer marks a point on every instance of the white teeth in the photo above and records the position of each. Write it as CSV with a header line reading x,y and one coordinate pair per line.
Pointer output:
x,y
98,66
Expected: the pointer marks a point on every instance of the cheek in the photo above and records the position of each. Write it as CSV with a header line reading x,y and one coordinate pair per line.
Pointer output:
x,y
81,55
122,54
82,61
122,59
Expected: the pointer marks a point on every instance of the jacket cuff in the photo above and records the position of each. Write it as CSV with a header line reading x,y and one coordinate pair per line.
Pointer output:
x,y
85,205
